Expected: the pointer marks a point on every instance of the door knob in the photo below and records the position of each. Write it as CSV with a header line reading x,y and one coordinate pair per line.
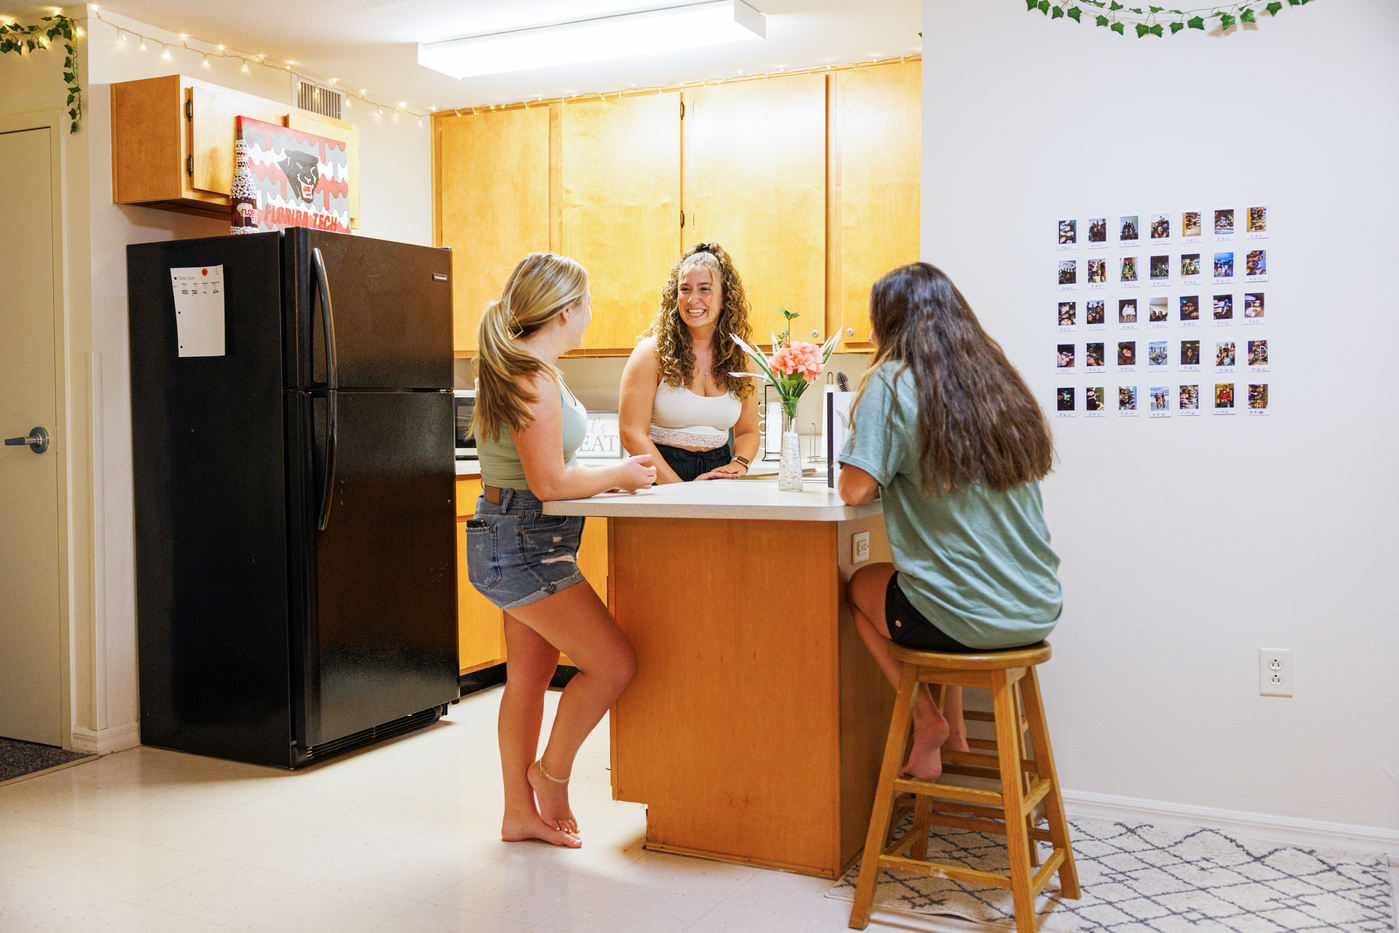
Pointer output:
x,y
37,441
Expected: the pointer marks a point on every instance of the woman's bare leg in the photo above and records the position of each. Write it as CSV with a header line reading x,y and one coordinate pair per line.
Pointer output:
x,y
930,729
530,663
576,622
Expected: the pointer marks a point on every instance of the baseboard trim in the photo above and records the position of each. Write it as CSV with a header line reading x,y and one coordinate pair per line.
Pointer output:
x,y
1289,830
106,741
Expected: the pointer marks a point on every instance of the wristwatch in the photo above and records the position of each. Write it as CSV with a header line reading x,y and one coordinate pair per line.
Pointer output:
x,y
743,460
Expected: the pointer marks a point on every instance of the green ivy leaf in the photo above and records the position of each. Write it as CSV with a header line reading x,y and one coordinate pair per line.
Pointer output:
x,y
1031,5
1155,9
1141,30
1044,6
1225,21
1196,23
1102,20
1117,28
1136,9
1247,15
1156,30
1273,8
1056,13
1115,6
68,77
1075,14
1176,27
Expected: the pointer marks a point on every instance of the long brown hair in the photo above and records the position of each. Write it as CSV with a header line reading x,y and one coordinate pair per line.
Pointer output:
x,y
978,423
673,346
541,286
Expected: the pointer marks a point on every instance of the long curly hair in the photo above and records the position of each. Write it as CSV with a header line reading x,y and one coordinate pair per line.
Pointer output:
x,y
673,346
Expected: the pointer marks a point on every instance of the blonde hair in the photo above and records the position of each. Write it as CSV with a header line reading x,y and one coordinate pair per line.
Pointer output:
x,y
674,349
541,287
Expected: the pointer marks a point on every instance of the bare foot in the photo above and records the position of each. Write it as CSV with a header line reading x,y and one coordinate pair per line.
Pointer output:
x,y
925,758
957,741
517,828
553,801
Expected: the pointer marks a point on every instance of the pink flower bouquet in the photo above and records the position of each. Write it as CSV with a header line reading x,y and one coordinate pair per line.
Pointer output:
x,y
793,366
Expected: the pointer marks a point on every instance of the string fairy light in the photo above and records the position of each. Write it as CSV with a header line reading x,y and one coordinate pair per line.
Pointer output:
x,y
222,51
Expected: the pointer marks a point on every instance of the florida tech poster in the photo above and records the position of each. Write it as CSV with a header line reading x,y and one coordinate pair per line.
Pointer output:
x,y
302,180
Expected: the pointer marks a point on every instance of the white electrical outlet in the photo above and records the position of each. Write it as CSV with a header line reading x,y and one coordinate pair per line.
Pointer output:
x,y
859,547
1275,672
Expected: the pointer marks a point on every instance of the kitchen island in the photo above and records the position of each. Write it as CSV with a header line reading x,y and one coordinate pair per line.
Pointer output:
x,y
754,727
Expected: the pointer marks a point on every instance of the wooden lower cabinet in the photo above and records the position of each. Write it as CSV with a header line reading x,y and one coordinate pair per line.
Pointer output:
x,y
480,624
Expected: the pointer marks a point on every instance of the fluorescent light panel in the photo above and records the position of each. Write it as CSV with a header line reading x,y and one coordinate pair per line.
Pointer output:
x,y
681,27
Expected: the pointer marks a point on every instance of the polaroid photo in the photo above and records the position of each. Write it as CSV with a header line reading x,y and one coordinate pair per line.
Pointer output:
x,y
1127,356
1191,228
1068,315
1094,358
1157,355
1095,315
1189,268
1256,224
1127,272
1189,355
1189,310
1068,234
1256,266
1258,356
1253,308
1224,268
1097,233
1159,401
1127,313
1064,358
1160,268
1127,400
1068,274
1095,402
1224,223
1128,233
1224,309
1159,228
1158,311
1064,402
1188,400
1224,356
1224,398
1258,398
1097,273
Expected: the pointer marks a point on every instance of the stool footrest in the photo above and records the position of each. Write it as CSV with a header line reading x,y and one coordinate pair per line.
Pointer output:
x,y
979,825
936,870
1046,871
1038,789
934,789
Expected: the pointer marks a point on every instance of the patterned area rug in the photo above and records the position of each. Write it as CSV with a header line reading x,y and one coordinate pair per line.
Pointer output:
x,y
19,758
1138,878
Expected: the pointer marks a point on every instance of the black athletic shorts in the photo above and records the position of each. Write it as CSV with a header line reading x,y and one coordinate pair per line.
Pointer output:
x,y
910,629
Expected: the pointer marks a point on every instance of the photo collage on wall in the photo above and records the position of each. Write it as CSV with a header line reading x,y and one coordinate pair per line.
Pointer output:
x,y
1150,313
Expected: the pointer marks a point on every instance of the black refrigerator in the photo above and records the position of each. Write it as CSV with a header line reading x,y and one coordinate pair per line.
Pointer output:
x,y
295,542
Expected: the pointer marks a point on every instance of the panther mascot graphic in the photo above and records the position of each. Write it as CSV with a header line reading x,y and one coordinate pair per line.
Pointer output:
x,y
304,172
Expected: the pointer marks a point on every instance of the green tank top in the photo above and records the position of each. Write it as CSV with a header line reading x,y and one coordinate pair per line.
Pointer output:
x,y
500,461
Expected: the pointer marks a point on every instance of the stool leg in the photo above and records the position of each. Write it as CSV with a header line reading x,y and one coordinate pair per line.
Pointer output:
x,y
884,799
1024,777
1013,797
1053,801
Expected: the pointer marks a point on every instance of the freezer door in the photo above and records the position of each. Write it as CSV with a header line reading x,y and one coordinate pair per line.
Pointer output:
x,y
392,310
378,591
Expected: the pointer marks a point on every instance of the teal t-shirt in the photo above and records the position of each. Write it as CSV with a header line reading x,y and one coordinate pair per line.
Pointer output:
x,y
500,461
976,563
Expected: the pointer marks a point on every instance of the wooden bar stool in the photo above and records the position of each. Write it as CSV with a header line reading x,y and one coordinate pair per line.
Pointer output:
x,y
1009,812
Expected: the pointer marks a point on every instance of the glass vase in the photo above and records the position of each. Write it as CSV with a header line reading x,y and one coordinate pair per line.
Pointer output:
x,y
789,468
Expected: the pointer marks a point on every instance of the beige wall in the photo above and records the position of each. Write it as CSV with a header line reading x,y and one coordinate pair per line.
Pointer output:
x,y
1189,544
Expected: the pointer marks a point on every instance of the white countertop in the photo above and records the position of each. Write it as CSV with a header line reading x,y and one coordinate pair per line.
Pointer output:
x,y
742,499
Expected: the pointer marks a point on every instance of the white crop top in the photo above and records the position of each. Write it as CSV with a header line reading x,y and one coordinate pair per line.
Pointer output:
x,y
681,418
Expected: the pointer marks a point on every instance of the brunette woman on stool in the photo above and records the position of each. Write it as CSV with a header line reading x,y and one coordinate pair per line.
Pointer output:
x,y
527,426
945,427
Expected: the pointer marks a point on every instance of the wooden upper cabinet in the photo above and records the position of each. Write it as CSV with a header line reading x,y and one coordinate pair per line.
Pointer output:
x,y
620,166
755,182
878,140
493,201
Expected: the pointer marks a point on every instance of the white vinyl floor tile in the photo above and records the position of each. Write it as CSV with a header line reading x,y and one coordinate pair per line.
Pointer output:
x,y
403,837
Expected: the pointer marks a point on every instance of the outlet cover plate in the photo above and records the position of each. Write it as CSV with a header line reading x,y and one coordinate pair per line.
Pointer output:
x,y
1275,672
859,547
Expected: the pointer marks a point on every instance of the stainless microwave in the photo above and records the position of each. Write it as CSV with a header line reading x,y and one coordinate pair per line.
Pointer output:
x,y
463,403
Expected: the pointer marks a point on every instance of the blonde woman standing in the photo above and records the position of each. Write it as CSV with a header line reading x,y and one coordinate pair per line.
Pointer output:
x,y
527,426
678,400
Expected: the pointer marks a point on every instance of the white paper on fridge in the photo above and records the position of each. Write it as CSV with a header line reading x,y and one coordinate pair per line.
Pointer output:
x,y
199,325
835,428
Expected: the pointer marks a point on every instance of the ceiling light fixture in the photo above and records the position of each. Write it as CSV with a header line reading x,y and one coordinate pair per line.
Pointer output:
x,y
677,27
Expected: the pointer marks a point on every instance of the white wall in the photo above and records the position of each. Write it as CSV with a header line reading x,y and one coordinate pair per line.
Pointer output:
x,y
1188,544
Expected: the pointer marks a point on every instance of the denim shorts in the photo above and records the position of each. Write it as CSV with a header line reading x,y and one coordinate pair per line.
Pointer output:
x,y
517,555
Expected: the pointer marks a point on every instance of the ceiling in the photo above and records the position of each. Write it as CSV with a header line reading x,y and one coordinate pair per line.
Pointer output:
x,y
372,44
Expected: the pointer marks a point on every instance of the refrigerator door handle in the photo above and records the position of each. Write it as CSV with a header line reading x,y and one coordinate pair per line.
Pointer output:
x,y
332,382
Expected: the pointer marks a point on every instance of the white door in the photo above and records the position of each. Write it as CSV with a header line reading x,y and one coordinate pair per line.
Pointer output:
x,y
31,700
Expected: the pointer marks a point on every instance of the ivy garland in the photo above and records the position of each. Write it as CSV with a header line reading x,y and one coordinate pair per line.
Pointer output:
x,y
19,39
1149,20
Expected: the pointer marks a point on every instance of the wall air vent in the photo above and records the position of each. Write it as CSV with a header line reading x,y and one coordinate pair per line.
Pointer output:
x,y
309,94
